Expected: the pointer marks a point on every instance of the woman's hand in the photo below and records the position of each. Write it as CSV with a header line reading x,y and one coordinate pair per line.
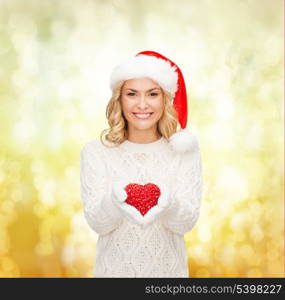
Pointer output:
x,y
119,197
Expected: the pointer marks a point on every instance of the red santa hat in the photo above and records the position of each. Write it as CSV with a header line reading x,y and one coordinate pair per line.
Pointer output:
x,y
168,75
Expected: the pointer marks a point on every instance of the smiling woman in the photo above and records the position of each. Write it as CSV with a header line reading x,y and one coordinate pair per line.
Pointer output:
x,y
129,99
142,108
141,193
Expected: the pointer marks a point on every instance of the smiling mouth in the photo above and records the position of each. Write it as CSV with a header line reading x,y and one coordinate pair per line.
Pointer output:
x,y
143,116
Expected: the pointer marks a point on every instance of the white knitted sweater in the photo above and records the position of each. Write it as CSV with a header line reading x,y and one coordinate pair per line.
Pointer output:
x,y
125,249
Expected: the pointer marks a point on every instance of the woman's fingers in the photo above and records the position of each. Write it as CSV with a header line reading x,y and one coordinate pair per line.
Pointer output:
x,y
151,215
132,213
164,198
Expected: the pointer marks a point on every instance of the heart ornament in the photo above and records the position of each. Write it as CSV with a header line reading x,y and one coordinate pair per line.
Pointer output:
x,y
142,197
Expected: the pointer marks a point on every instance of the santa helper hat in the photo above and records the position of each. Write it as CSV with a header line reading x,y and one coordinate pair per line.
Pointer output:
x,y
167,74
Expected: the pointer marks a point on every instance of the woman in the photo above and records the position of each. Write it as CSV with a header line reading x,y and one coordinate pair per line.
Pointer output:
x,y
141,185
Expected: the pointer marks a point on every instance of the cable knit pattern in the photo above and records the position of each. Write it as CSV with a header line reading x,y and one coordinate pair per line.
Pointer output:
x,y
127,249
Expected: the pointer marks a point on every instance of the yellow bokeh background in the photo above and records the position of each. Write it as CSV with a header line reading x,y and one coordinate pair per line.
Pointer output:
x,y
56,58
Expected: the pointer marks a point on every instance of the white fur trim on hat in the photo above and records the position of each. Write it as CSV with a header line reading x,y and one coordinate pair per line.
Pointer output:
x,y
142,66
183,141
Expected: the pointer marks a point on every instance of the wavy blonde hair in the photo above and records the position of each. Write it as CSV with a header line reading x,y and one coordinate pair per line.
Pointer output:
x,y
118,131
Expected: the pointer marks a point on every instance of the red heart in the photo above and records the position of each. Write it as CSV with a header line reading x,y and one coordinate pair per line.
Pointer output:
x,y
142,197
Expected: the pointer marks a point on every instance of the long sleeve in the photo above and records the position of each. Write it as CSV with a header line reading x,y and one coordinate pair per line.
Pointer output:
x,y
100,213
183,212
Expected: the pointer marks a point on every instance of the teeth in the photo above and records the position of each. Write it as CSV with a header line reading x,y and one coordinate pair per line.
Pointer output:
x,y
142,116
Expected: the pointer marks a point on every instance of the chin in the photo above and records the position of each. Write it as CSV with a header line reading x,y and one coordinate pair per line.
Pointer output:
x,y
140,126
143,127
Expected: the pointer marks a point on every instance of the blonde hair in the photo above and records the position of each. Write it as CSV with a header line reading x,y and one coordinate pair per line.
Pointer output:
x,y
118,131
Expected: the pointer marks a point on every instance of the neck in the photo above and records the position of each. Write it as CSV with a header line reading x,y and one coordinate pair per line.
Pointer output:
x,y
141,137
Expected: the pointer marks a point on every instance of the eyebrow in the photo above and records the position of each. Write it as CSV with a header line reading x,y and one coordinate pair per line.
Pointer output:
x,y
147,91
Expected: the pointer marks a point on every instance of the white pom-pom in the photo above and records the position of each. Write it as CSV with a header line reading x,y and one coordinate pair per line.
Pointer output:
x,y
183,141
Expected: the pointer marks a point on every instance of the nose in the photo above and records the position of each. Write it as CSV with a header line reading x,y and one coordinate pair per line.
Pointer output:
x,y
142,103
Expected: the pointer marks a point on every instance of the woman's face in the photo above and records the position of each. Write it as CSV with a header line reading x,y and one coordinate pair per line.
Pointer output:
x,y
142,103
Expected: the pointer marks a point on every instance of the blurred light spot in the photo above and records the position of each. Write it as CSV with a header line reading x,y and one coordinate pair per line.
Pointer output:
x,y
86,250
44,249
197,251
17,194
240,237
2,175
239,221
23,131
247,253
55,137
253,136
5,242
47,190
68,255
76,130
65,90
8,207
204,233
227,254
271,254
7,264
256,233
229,180
220,137
224,107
